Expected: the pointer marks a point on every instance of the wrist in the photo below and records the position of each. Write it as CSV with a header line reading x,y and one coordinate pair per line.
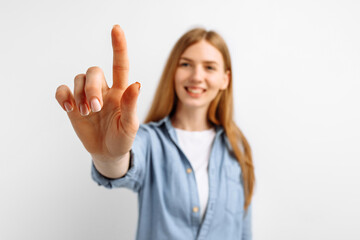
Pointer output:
x,y
112,167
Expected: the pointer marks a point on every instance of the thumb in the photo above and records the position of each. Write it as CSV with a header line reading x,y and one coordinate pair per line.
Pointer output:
x,y
128,104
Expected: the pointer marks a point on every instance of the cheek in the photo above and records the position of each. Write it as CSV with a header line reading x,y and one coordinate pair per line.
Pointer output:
x,y
216,82
181,75
180,78
213,94
177,85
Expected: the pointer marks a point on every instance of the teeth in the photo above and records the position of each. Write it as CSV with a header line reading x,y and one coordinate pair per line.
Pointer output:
x,y
195,90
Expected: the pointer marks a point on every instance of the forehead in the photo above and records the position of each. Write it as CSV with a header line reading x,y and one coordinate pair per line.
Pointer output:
x,y
203,51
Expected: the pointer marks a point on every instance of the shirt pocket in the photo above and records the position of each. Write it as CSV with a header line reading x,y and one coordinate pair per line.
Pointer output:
x,y
235,191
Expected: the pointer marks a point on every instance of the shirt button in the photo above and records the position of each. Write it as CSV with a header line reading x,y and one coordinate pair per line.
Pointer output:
x,y
188,170
195,209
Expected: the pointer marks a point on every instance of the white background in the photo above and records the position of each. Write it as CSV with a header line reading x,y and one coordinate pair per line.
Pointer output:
x,y
297,80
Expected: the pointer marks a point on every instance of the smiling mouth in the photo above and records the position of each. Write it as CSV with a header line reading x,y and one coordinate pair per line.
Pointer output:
x,y
194,90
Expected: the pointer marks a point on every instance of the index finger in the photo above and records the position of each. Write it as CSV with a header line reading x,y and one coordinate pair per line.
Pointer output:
x,y
120,59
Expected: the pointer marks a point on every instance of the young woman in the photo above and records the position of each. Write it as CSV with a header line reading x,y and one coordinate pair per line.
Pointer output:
x,y
189,163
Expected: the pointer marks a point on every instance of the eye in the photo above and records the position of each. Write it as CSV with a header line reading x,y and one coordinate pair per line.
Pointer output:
x,y
184,64
209,67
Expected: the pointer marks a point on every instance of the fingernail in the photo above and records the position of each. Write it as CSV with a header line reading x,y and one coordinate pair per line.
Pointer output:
x,y
84,111
95,105
139,85
68,107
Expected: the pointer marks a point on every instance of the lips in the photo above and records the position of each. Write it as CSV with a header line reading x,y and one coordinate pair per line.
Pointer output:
x,y
195,90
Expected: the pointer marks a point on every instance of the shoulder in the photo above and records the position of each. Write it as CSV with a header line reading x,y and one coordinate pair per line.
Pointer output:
x,y
220,133
228,143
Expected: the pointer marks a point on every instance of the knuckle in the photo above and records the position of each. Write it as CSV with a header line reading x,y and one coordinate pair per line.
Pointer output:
x,y
124,67
91,89
79,77
94,70
60,91
60,88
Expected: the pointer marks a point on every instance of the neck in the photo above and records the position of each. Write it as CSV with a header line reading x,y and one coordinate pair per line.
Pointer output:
x,y
191,119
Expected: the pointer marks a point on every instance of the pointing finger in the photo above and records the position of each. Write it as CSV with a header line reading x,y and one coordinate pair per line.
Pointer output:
x,y
120,58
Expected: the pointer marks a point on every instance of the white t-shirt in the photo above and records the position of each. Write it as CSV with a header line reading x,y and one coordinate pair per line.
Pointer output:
x,y
196,146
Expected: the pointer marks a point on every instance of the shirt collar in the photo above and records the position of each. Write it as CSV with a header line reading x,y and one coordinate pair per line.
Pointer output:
x,y
169,127
171,130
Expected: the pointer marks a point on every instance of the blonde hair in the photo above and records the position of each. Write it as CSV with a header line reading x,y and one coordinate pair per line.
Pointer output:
x,y
220,111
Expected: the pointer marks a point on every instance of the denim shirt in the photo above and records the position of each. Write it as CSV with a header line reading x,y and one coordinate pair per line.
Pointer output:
x,y
167,191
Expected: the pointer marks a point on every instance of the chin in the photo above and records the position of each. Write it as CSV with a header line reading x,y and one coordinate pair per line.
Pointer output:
x,y
194,105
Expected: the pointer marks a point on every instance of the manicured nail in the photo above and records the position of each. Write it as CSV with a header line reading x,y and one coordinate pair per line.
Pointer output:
x,y
84,111
95,105
68,107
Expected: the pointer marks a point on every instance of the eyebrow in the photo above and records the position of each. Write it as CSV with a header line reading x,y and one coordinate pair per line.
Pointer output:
x,y
190,60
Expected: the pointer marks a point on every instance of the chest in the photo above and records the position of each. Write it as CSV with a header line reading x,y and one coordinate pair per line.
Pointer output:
x,y
172,182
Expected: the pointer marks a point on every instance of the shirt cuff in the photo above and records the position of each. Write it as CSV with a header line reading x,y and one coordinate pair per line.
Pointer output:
x,y
129,180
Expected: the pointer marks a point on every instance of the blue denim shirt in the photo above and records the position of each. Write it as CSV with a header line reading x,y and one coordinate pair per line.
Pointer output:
x,y
167,191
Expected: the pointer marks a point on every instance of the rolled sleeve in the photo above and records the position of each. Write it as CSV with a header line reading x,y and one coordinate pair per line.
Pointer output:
x,y
134,177
130,180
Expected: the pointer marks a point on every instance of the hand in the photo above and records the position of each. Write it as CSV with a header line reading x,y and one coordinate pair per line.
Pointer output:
x,y
104,118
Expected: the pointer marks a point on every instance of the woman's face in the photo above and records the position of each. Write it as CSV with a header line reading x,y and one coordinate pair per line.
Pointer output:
x,y
200,75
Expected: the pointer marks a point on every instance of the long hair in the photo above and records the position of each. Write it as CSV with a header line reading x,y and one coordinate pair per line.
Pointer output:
x,y
220,111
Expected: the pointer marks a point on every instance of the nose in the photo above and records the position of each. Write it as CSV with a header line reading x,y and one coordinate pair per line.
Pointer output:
x,y
198,74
